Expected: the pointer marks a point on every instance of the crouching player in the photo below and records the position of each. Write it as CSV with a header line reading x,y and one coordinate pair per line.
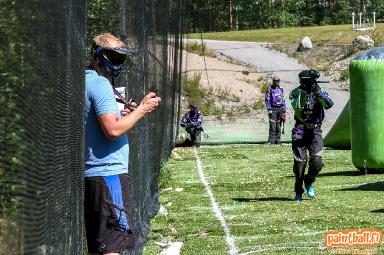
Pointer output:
x,y
192,122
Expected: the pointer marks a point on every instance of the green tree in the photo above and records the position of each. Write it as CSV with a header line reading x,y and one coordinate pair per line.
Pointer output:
x,y
10,82
341,12
215,15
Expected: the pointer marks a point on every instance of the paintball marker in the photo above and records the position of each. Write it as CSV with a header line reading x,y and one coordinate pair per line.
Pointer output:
x,y
315,85
310,76
206,136
283,118
128,104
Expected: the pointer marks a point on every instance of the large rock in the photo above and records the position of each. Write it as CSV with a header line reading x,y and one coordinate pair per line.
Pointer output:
x,y
305,44
363,42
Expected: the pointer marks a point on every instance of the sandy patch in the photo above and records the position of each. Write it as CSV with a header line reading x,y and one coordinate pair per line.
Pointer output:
x,y
234,78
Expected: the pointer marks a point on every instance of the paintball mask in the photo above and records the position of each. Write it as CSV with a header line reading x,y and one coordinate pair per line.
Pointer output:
x,y
308,77
112,59
193,106
275,81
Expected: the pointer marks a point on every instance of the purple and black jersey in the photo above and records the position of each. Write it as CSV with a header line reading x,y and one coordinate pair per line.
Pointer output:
x,y
192,118
274,98
309,107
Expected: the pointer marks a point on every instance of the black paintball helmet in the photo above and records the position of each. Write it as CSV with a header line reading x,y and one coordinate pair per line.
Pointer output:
x,y
308,77
193,106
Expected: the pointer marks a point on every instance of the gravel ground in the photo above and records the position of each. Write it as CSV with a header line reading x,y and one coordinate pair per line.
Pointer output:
x,y
334,60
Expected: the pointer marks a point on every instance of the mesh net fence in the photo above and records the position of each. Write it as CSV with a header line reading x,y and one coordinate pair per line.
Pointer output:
x,y
42,127
43,55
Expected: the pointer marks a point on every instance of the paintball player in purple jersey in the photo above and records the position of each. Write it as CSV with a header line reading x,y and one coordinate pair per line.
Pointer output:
x,y
192,122
308,101
274,100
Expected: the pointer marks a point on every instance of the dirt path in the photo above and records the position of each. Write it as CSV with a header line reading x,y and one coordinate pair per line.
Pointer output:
x,y
267,61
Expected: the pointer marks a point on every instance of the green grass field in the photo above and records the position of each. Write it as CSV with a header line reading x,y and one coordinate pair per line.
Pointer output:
x,y
253,185
338,34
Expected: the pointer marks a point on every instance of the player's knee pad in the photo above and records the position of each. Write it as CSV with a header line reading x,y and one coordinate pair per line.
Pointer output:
x,y
316,162
299,166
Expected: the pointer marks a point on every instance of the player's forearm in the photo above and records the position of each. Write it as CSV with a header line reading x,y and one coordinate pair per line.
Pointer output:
x,y
124,124
268,104
294,104
114,127
325,100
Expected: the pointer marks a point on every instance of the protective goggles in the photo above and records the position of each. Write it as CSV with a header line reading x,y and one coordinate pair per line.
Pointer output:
x,y
117,56
112,59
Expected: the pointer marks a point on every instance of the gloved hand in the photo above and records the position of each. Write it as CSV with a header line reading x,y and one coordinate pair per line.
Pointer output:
x,y
316,88
189,125
283,117
270,114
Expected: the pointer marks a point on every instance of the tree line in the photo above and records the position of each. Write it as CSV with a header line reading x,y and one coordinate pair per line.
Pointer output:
x,y
226,15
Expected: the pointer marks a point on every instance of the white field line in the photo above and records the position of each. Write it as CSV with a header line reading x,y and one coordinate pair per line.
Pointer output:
x,y
215,207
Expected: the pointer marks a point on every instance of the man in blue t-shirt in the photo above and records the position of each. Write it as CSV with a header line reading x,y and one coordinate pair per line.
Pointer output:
x,y
108,227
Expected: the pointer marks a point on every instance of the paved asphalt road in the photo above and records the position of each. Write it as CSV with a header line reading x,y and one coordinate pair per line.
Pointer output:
x,y
270,61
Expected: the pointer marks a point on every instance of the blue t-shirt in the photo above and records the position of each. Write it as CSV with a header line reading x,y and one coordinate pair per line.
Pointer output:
x,y
103,157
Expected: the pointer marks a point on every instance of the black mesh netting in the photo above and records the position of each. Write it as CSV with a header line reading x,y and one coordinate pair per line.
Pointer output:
x,y
151,29
43,55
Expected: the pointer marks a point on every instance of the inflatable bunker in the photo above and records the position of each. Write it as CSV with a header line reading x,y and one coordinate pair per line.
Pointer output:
x,y
367,110
339,136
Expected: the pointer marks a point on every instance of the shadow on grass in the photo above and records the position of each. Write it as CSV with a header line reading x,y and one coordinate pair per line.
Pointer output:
x,y
378,211
262,199
376,186
341,173
186,143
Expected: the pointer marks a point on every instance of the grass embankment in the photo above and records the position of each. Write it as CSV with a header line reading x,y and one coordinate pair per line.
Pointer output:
x,y
217,102
338,34
253,185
